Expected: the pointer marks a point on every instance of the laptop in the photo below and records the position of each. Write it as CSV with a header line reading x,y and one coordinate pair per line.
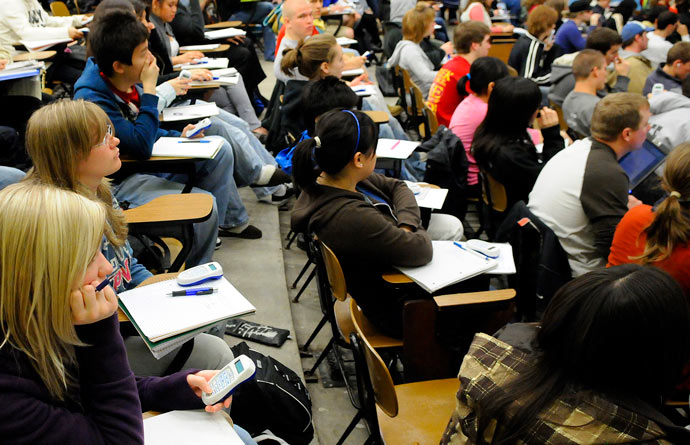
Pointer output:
x,y
640,163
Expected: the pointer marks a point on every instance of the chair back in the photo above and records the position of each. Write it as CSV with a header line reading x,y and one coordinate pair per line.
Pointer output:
x,y
336,277
501,48
423,118
493,193
399,83
59,9
381,380
365,391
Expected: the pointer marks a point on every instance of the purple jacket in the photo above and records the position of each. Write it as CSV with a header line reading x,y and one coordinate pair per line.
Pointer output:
x,y
105,408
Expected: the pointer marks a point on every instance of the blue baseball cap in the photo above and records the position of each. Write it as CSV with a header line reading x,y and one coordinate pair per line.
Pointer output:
x,y
631,29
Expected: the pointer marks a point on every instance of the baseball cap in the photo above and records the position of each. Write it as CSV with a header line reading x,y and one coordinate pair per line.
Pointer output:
x,y
633,28
579,6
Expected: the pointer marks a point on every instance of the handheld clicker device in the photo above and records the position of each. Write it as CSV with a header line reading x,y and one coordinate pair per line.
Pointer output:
x,y
657,89
484,248
185,74
200,274
228,379
199,127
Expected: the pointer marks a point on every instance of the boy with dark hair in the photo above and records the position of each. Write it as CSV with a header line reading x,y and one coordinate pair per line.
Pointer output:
x,y
607,42
121,79
658,47
676,69
589,69
471,41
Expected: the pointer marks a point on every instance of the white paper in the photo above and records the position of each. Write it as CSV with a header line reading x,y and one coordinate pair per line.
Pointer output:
x,y
395,148
40,45
342,41
188,427
27,65
160,316
204,148
364,90
188,112
224,33
205,63
429,197
450,264
354,72
224,72
210,46
222,80
506,263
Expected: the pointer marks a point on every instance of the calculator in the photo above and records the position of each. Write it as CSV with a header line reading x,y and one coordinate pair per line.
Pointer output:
x,y
200,274
228,379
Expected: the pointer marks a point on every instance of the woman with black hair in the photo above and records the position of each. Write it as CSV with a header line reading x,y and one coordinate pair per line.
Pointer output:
x,y
611,344
371,222
501,145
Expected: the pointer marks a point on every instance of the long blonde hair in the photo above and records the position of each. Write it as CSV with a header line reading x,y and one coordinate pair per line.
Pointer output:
x,y
58,137
48,236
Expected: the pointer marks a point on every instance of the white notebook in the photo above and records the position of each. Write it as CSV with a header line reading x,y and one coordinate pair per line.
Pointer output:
x,y
204,148
160,316
450,264
395,148
205,63
217,80
208,47
185,427
224,33
41,45
189,112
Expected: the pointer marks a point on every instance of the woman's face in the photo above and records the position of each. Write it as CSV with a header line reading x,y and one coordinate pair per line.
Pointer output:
x,y
334,67
97,270
430,28
165,9
103,160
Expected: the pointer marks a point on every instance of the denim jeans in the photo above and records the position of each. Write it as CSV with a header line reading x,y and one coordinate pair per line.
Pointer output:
x,y
9,175
256,13
234,99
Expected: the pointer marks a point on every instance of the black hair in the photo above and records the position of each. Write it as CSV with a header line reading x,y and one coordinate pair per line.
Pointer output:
x,y
341,134
324,95
483,71
602,333
602,39
512,104
114,38
140,7
685,86
665,19
626,8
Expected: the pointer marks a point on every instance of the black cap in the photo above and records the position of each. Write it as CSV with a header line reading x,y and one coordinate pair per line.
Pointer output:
x,y
579,6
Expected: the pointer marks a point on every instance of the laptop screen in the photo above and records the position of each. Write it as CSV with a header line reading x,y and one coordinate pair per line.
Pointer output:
x,y
639,164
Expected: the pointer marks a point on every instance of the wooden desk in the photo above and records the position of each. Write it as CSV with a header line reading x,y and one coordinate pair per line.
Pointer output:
x,y
40,55
379,117
154,279
163,163
227,24
221,48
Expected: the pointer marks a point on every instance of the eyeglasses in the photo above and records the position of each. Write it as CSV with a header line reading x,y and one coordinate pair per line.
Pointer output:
x,y
108,136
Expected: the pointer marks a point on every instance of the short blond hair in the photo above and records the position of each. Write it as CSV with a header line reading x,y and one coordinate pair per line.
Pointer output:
x,y
48,237
616,112
416,21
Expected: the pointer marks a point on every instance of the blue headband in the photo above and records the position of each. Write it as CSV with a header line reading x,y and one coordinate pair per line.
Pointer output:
x,y
357,122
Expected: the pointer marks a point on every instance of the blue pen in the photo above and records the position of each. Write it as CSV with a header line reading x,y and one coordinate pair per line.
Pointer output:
x,y
102,285
194,142
486,257
216,78
191,292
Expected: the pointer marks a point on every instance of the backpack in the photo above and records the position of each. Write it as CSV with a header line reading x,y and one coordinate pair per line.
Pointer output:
x,y
276,400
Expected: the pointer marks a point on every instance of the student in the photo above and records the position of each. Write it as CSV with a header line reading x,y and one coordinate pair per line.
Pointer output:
x,y
659,235
589,69
79,160
593,372
582,192
676,69
635,41
534,52
9,175
477,10
670,112
371,222
471,41
569,37
69,380
255,13
418,23
502,147
658,47
119,43
471,111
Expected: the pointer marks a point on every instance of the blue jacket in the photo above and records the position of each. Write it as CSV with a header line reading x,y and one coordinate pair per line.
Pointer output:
x,y
569,38
137,131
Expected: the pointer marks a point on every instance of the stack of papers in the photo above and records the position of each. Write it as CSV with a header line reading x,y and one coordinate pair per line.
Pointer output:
x,y
452,263
19,70
205,63
41,45
224,33
166,322
185,427
208,47
189,112
342,41
395,148
203,148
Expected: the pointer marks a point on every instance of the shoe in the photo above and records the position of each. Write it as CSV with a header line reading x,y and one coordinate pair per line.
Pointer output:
x,y
219,242
249,232
272,175
281,196
260,136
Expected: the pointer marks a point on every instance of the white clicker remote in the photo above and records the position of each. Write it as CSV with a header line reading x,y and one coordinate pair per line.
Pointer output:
x,y
199,127
228,379
485,248
199,274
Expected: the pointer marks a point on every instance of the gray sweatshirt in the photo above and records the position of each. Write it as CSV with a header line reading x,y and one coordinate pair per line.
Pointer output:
x,y
669,121
410,56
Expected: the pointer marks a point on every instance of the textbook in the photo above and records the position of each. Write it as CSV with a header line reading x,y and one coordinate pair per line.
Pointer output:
x,y
451,263
193,426
205,63
395,148
224,33
203,148
41,45
159,316
208,47
189,112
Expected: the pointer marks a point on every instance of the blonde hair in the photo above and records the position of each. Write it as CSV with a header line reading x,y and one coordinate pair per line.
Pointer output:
x,y
48,236
58,137
416,22
309,54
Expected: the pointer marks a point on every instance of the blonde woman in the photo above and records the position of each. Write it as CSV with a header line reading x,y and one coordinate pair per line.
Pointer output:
x,y
64,376
72,146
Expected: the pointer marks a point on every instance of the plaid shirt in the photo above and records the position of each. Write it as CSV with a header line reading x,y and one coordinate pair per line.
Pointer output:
x,y
593,420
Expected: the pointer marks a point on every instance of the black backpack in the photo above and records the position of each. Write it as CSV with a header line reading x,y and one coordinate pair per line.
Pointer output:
x,y
276,400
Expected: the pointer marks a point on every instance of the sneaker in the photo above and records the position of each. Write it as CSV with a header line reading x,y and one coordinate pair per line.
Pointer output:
x,y
282,195
247,232
272,175
219,242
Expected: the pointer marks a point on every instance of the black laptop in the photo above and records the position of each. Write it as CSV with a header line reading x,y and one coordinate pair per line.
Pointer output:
x,y
640,163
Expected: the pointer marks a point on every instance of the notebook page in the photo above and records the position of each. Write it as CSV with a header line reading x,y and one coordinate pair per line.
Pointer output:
x,y
189,427
205,148
395,148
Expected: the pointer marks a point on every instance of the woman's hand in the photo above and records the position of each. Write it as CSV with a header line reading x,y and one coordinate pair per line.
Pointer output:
x,y
89,306
3,63
547,118
201,74
199,383
189,128
188,57
362,79
180,85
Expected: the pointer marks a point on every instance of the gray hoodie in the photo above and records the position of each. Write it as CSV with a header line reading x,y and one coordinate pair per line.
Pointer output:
x,y
669,121
410,56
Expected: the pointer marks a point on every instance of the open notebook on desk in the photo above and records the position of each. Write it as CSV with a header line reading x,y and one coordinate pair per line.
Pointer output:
x,y
185,427
224,33
205,63
203,148
450,264
395,148
194,112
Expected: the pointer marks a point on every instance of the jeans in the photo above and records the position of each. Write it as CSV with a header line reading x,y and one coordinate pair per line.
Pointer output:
x,y
234,99
9,175
256,13
138,189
